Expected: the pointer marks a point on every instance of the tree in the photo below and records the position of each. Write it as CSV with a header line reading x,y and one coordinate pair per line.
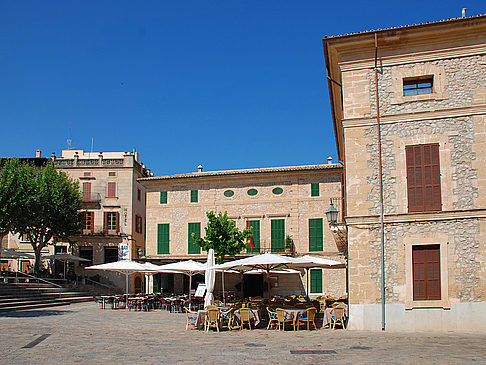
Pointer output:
x,y
222,236
40,203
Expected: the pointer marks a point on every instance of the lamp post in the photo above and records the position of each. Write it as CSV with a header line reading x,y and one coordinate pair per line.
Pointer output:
x,y
340,236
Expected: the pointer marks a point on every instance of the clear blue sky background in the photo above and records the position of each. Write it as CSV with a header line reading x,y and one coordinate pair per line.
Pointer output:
x,y
226,84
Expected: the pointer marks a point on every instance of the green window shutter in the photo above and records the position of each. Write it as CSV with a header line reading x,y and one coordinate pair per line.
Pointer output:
x,y
316,280
191,247
278,235
156,284
193,196
163,197
315,234
255,229
315,189
162,239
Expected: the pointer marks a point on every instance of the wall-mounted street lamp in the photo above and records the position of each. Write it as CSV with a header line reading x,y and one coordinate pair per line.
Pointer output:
x,y
339,229
332,214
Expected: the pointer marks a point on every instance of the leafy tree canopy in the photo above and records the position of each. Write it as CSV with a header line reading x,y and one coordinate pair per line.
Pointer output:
x,y
222,236
40,203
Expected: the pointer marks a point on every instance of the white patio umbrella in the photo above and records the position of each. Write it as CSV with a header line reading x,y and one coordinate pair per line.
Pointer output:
x,y
5,253
126,267
308,261
266,262
65,257
188,267
209,279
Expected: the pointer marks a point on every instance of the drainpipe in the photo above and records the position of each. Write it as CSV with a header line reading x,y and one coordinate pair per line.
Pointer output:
x,y
380,177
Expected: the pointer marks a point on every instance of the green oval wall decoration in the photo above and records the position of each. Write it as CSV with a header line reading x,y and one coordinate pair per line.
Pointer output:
x,y
229,193
252,192
277,191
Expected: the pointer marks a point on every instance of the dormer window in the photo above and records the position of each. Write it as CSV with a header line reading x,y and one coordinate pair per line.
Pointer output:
x,y
418,86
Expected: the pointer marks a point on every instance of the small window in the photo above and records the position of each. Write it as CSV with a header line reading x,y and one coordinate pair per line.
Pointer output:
x,y
60,249
138,224
315,189
316,280
139,195
252,192
417,86
194,197
163,197
111,254
112,173
86,252
111,190
277,191
87,173
111,221
229,193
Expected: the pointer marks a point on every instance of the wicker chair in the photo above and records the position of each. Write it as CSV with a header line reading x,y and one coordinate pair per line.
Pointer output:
x,y
284,317
272,319
337,317
191,317
307,317
212,319
245,317
227,318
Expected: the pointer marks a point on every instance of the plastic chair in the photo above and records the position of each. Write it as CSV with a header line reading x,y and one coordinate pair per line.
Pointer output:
x,y
307,317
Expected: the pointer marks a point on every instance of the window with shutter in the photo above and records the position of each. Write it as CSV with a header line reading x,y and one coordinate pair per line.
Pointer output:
x,y
195,228
315,234
315,189
193,196
163,197
86,191
163,238
278,235
316,280
255,230
426,272
423,178
111,190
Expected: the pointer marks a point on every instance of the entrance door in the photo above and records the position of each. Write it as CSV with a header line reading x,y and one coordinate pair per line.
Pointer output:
x,y
4,265
253,285
25,266
139,287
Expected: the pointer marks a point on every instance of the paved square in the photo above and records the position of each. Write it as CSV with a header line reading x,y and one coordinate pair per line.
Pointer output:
x,y
84,334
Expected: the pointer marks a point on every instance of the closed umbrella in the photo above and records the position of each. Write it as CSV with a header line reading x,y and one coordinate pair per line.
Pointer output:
x,y
209,279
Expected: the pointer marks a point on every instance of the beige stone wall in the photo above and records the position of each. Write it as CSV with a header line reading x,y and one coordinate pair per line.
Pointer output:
x,y
295,205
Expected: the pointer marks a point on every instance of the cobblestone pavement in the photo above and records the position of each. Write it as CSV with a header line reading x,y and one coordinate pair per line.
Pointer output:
x,y
85,334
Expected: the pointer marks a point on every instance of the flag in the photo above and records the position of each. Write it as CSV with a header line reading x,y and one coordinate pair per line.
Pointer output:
x,y
251,238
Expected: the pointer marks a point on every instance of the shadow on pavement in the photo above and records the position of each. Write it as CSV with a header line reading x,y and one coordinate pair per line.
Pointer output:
x,y
35,313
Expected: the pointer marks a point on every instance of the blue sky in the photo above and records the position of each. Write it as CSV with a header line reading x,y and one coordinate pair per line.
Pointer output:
x,y
225,84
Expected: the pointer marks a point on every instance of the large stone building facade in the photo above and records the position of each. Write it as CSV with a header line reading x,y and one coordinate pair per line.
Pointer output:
x,y
432,118
285,208
113,206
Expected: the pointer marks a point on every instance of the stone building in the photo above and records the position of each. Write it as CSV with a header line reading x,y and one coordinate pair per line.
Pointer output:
x,y
285,208
114,207
431,99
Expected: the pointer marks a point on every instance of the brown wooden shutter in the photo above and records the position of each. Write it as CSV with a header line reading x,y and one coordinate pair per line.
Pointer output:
x,y
112,189
86,191
423,178
426,272
117,219
92,222
105,222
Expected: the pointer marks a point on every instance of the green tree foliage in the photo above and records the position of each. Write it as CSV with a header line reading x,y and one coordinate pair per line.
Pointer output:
x,y
40,203
222,236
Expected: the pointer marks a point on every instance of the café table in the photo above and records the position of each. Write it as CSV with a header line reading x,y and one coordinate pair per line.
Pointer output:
x,y
253,312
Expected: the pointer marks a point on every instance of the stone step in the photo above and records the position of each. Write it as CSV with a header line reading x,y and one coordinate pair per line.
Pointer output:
x,y
33,296
20,306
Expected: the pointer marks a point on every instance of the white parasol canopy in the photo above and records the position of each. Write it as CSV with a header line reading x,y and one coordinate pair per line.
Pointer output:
x,y
188,267
209,279
126,267
5,253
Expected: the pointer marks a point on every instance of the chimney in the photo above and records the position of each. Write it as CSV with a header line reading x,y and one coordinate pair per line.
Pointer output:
x,y
200,168
329,160
38,153
464,12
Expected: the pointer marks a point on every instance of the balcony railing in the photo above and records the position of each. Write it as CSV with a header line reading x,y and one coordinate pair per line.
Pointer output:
x,y
91,197
99,231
